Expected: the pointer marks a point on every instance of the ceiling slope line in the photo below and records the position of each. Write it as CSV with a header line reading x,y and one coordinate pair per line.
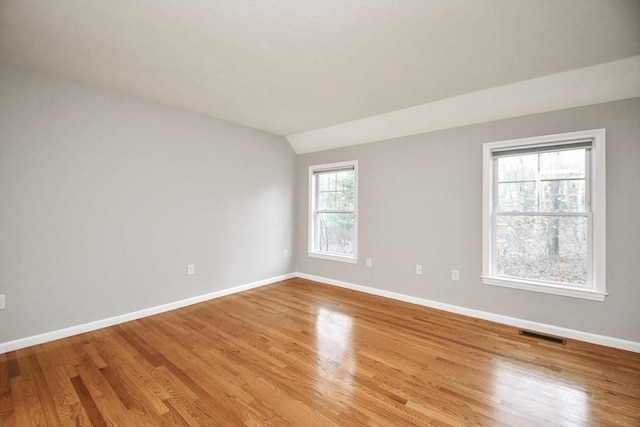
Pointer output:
x,y
611,81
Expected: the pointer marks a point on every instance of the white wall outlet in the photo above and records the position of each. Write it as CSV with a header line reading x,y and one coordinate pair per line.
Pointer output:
x,y
368,262
455,275
1,302
419,269
191,269
285,253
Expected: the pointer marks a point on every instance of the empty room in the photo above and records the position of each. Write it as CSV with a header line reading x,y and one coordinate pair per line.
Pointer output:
x,y
320,213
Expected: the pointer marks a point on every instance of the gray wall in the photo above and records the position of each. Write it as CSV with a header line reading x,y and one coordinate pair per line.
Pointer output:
x,y
421,203
105,199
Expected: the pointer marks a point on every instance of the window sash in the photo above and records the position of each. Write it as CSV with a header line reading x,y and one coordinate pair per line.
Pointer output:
x,y
315,172
316,242
316,177
556,147
589,218
527,150
593,209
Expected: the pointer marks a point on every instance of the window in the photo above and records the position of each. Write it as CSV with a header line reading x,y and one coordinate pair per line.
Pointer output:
x,y
544,214
333,204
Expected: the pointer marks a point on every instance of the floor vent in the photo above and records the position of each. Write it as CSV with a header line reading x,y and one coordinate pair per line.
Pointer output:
x,y
543,337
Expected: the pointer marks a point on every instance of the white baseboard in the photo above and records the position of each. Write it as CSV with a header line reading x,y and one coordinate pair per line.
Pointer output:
x,y
512,321
103,323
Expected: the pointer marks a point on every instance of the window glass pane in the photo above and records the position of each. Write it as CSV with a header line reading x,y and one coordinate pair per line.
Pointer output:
x,y
517,197
345,180
335,233
326,181
563,196
326,200
549,248
563,164
517,168
344,200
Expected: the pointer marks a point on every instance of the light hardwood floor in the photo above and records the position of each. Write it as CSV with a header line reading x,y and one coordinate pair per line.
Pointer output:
x,y
299,353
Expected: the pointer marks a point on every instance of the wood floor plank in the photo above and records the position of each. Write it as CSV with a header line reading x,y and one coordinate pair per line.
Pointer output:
x,y
60,387
7,410
302,353
42,390
26,411
89,405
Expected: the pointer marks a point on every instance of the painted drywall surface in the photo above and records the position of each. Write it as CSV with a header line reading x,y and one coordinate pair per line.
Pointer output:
x,y
420,202
105,199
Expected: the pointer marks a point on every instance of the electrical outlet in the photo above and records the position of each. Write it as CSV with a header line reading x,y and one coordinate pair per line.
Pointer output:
x,y
455,275
368,261
191,269
1,302
419,269
285,253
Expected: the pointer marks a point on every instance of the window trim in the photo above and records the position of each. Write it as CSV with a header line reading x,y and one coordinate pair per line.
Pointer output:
x,y
353,259
597,194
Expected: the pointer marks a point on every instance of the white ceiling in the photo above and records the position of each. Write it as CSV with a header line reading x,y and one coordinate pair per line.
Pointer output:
x,y
291,68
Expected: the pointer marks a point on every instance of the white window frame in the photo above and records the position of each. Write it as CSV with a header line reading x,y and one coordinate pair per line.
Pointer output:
x,y
312,252
595,288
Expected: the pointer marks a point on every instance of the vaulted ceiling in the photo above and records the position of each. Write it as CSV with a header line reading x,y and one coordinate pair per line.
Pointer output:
x,y
298,68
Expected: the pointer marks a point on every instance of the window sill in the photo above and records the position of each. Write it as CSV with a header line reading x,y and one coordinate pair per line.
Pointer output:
x,y
331,257
567,291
